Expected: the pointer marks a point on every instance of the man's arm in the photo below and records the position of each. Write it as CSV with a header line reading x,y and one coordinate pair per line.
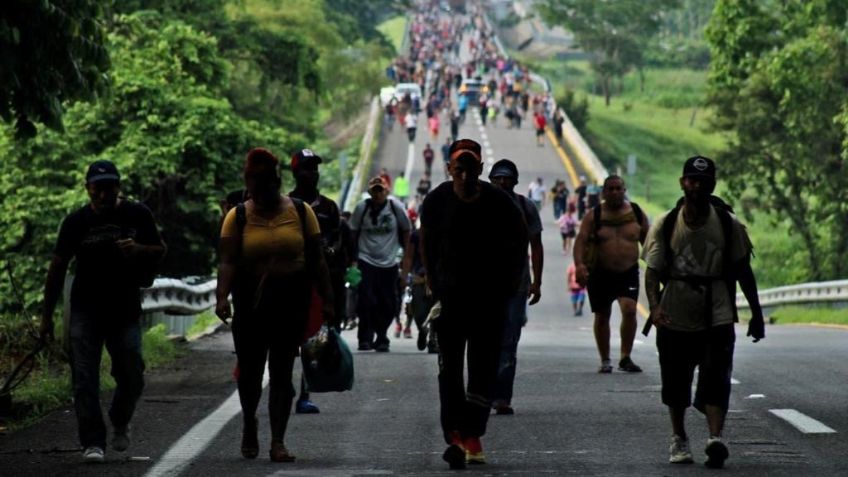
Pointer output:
x,y
658,316
580,241
52,290
537,258
228,251
748,283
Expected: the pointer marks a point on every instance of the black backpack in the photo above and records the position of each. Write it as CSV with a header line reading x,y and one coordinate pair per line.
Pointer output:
x,y
723,211
596,210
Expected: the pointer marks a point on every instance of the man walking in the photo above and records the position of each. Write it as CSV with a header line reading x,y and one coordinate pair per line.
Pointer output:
x,y
475,247
699,250
428,158
116,246
304,167
613,230
504,174
380,227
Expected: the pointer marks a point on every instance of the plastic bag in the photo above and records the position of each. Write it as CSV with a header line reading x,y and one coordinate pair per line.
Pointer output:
x,y
327,362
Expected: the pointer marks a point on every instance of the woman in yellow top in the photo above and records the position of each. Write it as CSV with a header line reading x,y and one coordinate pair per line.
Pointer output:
x,y
269,261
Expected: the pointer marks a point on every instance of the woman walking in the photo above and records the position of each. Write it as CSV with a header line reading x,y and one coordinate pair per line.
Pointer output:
x,y
270,258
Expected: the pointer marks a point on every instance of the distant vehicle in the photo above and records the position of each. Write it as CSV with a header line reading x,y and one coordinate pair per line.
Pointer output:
x,y
386,95
401,89
472,87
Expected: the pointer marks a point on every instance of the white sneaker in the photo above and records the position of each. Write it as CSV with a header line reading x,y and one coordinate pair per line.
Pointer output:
x,y
716,452
679,452
93,455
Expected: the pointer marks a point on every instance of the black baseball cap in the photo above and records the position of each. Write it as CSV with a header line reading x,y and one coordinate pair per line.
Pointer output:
x,y
102,171
303,158
699,166
504,168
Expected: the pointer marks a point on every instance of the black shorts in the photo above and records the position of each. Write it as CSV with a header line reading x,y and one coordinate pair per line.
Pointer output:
x,y
606,286
711,351
566,235
540,131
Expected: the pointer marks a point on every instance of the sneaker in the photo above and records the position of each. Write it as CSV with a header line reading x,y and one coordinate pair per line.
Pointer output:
x,y
407,333
454,455
121,438
93,455
363,346
382,348
398,329
679,452
502,408
628,366
474,451
716,452
422,338
605,368
305,406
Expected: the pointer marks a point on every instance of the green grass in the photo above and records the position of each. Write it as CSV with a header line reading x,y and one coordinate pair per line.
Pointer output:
x,y
393,29
823,315
49,384
203,321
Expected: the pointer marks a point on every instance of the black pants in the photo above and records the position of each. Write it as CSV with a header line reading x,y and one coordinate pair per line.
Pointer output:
x,y
477,324
377,303
272,330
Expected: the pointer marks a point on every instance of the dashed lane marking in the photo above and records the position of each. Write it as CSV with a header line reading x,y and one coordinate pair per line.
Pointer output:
x,y
410,160
802,422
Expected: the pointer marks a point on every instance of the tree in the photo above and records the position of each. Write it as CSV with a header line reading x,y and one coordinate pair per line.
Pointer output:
x,y
615,33
778,85
51,51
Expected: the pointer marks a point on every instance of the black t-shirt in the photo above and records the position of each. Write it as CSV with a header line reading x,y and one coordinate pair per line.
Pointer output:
x,y
329,220
476,248
105,281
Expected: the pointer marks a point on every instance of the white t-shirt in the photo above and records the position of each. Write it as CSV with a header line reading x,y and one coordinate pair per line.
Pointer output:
x,y
379,239
696,253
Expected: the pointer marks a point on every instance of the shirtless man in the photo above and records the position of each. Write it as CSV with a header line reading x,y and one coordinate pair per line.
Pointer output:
x,y
615,274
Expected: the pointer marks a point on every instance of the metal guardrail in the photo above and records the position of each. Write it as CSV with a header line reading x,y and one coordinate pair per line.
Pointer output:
x,y
176,297
365,154
801,294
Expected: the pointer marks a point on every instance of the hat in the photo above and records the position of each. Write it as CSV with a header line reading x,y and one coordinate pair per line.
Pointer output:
x,y
465,148
504,168
699,166
375,182
261,162
102,171
304,157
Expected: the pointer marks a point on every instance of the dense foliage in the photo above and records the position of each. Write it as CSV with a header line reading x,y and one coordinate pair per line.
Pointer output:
x,y
615,34
50,51
779,85
192,85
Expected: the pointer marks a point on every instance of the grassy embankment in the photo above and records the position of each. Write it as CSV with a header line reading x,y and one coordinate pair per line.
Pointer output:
x,y
661,126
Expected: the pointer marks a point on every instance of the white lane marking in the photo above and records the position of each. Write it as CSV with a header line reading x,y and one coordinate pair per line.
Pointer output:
x,y
410,160
734,381
756,396
638,342
483,135
198,438
490,152
803,423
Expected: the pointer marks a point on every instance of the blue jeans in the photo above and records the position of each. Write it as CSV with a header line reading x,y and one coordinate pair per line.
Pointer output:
x,y
89,333
515,319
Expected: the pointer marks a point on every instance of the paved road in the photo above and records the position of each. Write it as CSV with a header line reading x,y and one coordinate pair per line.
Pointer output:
x,y
569,420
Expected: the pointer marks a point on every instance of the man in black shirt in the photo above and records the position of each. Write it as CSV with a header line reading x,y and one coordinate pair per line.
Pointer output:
x,y
474,240
304,167
116,246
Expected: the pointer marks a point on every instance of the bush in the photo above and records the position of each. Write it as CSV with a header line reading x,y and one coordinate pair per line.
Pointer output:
x,y
577,110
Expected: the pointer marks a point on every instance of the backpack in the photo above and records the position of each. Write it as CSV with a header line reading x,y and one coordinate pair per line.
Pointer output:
x,y
723,211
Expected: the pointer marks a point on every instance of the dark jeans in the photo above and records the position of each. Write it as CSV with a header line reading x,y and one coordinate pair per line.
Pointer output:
x,y
377,303
272,331
421,304
477,324
89,333
516,317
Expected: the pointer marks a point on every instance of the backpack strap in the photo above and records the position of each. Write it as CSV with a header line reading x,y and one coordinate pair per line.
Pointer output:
x,y
637,211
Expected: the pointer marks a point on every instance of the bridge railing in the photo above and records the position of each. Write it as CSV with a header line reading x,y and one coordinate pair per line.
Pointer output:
x,y
801,294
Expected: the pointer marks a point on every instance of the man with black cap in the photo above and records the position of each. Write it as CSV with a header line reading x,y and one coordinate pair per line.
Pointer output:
x,y
380,228
698,251
504,174
304,167
116,246
475,247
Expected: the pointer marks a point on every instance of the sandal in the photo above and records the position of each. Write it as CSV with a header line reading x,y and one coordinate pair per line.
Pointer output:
x,y
279,453
605,369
